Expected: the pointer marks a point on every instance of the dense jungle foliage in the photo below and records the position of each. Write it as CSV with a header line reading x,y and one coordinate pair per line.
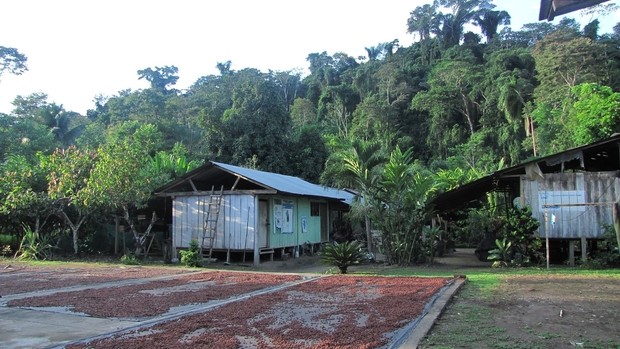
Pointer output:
x,y
399,125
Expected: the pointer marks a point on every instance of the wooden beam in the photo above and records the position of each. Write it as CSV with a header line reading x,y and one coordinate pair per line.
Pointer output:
x,y
236,182
192,184
582,204
225,192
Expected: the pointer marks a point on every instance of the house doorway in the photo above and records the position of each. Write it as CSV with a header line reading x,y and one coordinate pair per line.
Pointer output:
x,y
263,223
324,222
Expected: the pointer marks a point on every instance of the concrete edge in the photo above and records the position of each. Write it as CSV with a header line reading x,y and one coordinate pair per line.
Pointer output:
x,y
424,324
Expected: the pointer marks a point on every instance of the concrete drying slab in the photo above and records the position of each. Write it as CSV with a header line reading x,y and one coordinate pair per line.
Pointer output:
x,y
24,328
37,328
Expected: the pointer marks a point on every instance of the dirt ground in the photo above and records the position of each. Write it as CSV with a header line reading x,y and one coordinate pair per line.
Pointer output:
x,y
535,311
565,311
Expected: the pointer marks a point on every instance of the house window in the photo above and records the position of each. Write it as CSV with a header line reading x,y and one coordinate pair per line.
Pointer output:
x,y
314,209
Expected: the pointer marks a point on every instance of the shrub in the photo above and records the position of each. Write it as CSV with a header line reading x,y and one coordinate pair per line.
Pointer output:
x,y
130,259
192,257
608,254
8,244
501,254
343,255
35,246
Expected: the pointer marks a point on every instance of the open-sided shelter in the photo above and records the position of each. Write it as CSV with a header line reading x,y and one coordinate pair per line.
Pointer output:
x,y
551,8
572,194
231,208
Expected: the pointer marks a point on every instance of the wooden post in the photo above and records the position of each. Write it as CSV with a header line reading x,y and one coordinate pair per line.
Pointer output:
x,y
571,253
616,218
584,249
256,232
547,236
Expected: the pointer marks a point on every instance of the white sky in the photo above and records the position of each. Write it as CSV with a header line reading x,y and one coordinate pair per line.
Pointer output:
x,y
78,49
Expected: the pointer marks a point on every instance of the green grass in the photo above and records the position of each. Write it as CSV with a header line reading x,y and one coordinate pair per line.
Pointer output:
x,y
468,322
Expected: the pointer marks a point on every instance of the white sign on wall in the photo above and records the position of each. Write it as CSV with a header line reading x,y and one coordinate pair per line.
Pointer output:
x,y
287,217
572,200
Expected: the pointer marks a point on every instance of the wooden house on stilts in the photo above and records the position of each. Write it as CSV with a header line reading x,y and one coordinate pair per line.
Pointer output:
x,y
234,209
574,194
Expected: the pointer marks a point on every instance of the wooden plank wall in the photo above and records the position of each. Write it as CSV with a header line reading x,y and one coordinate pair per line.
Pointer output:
x,y
235,226
581,202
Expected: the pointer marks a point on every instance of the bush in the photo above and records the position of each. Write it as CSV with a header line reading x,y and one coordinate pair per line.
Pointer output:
x,y
34,245
343,255
8,244
130,259
501,254
192,257
607,255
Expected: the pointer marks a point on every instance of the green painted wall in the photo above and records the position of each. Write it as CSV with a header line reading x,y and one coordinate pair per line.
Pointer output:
x,y
300,212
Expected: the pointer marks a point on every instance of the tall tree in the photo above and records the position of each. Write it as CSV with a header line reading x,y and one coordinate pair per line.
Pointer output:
x,y
462,12
489,20
563,60
123,178
255,125
68,171
357,164
423,21
160,78
452,102
595,114
509,82
23,193
12,61
64,125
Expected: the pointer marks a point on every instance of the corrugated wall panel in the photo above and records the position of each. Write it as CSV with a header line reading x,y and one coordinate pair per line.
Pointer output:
x,y
235,225
577,202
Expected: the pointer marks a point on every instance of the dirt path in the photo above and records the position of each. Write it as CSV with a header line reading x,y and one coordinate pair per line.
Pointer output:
x,y
564,311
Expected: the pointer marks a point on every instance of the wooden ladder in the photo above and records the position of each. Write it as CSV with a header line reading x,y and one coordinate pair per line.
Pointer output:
x,y
210,227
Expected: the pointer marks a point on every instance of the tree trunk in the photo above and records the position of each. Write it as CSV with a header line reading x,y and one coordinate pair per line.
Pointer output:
x,y
368,233
75,228
468,112
139,238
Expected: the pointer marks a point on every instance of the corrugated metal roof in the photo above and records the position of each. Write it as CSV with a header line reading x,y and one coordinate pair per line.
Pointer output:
x,y
549,9
600,157
287,184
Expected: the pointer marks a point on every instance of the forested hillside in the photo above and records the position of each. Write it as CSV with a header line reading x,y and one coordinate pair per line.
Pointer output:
x,y
454,104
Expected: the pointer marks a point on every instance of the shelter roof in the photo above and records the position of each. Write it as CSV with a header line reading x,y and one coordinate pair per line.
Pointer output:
x,y
595,157
217,174
551,8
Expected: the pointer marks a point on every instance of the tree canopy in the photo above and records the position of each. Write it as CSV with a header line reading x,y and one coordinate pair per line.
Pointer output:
x,y
451,106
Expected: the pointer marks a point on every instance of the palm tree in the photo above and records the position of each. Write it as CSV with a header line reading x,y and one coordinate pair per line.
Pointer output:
x,y
463,11
356,165
59,122
488,21
373,52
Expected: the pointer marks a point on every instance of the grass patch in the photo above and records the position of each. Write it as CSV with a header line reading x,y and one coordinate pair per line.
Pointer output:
x,y
469,320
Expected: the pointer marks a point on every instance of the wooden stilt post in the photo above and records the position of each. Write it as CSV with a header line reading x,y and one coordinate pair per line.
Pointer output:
x,y
547,236
616,218
584,249
571,253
